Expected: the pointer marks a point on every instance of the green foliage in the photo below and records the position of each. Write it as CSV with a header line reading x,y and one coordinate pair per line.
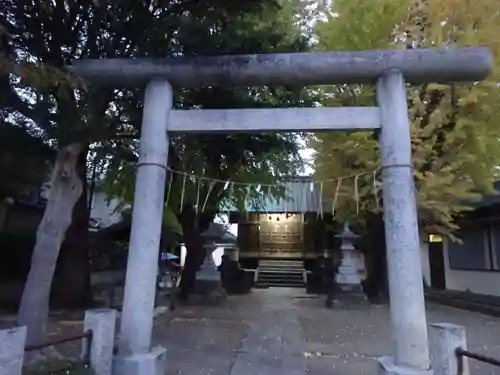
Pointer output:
x,y
253,158
454,127
59,108
24,160
171,222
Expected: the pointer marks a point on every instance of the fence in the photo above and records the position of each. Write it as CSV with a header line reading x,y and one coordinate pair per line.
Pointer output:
x,y
97,351
449,354
86,336
461,354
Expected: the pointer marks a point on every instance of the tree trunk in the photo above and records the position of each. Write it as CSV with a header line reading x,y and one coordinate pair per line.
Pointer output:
x,y
66,188
192,226
71,286
376,285
195,255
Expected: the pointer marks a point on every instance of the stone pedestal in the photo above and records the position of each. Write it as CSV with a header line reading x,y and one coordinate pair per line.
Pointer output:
x,y
12,342
208,274
102,324
348,277
445,339
208,279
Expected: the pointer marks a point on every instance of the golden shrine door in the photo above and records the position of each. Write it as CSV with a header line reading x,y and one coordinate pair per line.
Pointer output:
x,y
281,235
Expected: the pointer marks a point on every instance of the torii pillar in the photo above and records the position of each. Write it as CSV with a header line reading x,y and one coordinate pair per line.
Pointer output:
x,y
406,293
135,354
388,69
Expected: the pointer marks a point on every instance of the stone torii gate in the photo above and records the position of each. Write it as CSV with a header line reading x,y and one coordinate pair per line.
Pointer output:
x,y
389,70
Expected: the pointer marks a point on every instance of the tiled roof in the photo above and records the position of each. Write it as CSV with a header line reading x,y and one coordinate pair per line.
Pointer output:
x,y
302,193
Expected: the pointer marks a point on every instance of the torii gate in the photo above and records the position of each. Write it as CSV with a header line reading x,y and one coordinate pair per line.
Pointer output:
x,y
389,70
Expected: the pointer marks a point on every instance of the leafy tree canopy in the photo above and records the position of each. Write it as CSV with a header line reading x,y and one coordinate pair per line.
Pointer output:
x,y
454,127
41,38
23,161
258,158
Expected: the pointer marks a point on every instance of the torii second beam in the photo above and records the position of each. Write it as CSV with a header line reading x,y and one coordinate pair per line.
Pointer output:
x,y
264,120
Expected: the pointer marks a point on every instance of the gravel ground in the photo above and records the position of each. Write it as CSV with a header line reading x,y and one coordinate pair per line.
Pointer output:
x,y
343,340
278,331
349,339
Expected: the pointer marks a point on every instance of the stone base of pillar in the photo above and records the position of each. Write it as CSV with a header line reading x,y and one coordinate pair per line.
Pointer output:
x,y
152,363
386,366
348,279
351,288
351,296
208,281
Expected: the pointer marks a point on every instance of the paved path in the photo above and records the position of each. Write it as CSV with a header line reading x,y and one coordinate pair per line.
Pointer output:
x,y
273,344
257,334
282,331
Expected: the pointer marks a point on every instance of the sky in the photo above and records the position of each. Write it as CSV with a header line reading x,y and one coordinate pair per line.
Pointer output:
x,y
307,155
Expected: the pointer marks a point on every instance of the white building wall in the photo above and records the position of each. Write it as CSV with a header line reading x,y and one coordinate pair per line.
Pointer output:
x,y
480,282
426,268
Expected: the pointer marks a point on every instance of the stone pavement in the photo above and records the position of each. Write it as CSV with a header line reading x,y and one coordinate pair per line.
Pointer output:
x,y
285,331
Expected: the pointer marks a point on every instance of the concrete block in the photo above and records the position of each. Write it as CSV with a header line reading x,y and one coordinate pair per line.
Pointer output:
x,y
152,363
445,338
12,343
386,366
102,324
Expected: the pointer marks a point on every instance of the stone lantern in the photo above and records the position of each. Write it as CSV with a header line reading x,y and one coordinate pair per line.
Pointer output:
x,y
208,278
348,275
208,270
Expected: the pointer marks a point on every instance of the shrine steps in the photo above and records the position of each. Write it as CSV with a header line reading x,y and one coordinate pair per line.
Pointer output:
x,y
280,273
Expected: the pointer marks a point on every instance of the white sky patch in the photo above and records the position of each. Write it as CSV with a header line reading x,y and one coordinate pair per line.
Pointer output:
x,y
307,154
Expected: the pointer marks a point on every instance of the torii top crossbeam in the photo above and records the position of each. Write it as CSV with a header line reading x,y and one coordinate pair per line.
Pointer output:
x,y
312,68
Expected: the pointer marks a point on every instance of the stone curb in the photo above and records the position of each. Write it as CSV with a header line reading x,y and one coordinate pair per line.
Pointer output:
x,y
462,304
